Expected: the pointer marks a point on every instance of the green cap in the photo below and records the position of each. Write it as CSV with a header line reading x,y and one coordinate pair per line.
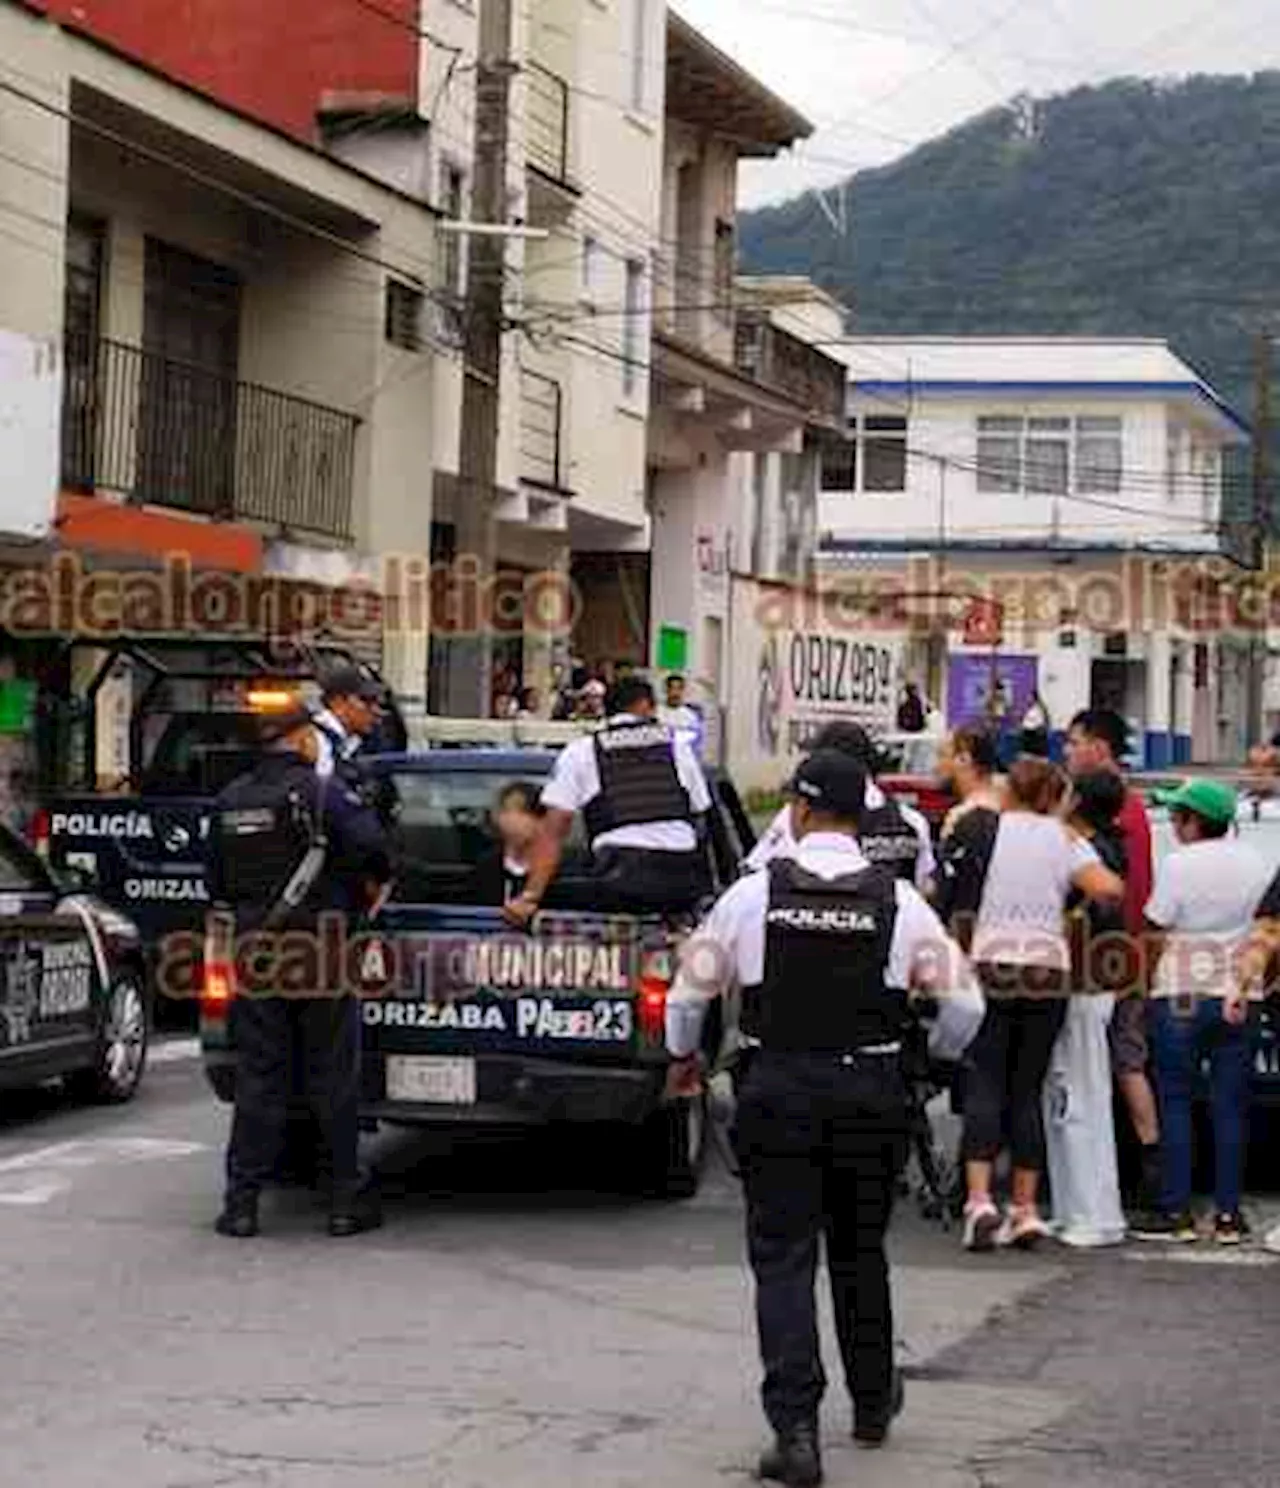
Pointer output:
x,y
1210,799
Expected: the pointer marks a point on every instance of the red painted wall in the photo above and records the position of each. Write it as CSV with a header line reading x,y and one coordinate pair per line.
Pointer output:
x,y
271,59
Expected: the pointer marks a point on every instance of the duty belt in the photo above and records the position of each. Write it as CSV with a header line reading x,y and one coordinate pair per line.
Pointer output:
x,y
846,1056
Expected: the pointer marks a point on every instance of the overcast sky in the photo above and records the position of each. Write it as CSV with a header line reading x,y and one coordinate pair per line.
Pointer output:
x,y
878,76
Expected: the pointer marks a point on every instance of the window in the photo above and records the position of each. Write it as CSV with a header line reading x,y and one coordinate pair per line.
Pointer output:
x,y
726,260
639,52
839,465
999,455
633,338
1099,455
403,319
1050,455
884,454
590,266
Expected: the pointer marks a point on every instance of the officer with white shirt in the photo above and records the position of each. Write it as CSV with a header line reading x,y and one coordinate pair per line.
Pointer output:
x,y
351,705
889,832
824,949
641,791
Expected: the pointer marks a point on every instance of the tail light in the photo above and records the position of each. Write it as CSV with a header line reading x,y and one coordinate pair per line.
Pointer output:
x,y
38,833
651,995
217,988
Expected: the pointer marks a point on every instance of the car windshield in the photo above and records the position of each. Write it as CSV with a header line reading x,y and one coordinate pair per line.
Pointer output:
x,y
445,828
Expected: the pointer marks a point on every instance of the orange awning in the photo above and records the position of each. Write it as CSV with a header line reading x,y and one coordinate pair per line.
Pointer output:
x,y
93,524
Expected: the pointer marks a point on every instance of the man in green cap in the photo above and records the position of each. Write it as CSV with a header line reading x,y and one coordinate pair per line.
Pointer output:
x,y
1199,920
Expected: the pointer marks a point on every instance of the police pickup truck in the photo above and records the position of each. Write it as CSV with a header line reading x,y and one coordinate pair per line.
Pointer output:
x,y
183,717
469,1024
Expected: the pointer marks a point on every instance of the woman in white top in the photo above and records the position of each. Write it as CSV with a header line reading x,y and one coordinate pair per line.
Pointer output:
x,y
1020,951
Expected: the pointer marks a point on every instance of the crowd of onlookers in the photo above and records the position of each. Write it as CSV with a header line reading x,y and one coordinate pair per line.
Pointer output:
x,y
1099,963
580,693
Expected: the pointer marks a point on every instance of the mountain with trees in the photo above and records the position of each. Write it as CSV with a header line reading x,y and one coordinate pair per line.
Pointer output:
x,y
1132,208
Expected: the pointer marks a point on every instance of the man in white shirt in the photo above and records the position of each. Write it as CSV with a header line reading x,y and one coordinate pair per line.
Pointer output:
x,y
889,832
823,950
1201,922
642,792
351,704
678,714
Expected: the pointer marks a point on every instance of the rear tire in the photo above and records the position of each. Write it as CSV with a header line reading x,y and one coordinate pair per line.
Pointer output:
x,y
120,1059
674,1148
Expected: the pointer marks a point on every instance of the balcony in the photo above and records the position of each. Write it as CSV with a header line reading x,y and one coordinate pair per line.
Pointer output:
x,y
552,195
788,365
172,434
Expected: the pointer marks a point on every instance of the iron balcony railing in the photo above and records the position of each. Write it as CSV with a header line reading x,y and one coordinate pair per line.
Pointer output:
x,y
541,430
789,365
173,434
547,123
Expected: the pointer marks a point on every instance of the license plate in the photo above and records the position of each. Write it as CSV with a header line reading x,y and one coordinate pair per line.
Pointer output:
x,y
432,1082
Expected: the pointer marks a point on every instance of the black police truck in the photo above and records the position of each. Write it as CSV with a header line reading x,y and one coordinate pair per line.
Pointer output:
x,y
470,1025
160,727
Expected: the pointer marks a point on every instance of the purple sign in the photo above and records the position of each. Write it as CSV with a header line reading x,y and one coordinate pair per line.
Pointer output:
x,y
973,679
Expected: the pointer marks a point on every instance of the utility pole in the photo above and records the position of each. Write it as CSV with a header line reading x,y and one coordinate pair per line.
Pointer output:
x,y
469,653
1262,517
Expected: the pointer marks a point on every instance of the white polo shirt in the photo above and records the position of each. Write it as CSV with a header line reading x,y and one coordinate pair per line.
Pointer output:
x,y
727,953
575,783
1205,897
778,841
335,741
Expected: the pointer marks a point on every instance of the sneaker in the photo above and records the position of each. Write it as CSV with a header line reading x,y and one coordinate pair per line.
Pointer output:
x,y
239,1218
1177,1229
1231,1229
1022,1231
981,1225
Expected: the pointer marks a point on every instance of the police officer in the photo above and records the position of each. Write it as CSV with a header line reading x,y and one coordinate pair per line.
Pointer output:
x,y
351,708
287,849
889,832
824,949
640,789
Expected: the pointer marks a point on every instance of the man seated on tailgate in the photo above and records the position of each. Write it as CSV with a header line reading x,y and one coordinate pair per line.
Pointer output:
x,y
641,791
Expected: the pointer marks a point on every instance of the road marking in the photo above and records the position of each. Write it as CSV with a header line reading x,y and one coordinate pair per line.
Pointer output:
x,y
36,1177
173,1051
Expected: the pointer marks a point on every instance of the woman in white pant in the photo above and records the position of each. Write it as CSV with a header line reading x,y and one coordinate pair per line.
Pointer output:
x,y
1079,1130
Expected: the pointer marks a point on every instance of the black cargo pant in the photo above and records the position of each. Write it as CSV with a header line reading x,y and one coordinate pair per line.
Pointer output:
x,y
636,880
324,1032
821,1141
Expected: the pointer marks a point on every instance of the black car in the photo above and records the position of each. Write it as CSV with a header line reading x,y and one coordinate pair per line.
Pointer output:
x,y
72,983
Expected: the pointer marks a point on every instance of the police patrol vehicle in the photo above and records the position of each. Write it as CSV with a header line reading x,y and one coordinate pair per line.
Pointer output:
x,y
73,997
472,1025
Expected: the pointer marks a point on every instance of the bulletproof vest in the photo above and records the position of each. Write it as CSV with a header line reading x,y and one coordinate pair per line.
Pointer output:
x,y
638,779
825,956
263,825
887,838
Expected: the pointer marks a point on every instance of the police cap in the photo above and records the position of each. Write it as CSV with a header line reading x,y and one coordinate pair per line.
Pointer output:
x,y
832,782
348,680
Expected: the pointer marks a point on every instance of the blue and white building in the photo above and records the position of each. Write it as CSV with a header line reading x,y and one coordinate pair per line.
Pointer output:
x,y
1051,513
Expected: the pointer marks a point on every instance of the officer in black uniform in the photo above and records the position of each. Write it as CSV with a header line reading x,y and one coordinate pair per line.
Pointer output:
x,y
287,850
641,790
889,832
824,949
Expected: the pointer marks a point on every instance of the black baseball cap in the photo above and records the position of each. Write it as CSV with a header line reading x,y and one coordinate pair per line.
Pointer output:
x,y
846,738
349,681
831,781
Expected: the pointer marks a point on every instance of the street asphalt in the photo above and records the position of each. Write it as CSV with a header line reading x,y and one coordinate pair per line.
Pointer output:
x,y
517,1323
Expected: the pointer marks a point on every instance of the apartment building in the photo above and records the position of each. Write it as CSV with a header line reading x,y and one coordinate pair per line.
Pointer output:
x,y
216,345
1052,511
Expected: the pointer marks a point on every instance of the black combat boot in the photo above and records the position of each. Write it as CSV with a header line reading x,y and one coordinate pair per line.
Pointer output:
x,y
794,1458
239,1217
356,1215
871,1428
